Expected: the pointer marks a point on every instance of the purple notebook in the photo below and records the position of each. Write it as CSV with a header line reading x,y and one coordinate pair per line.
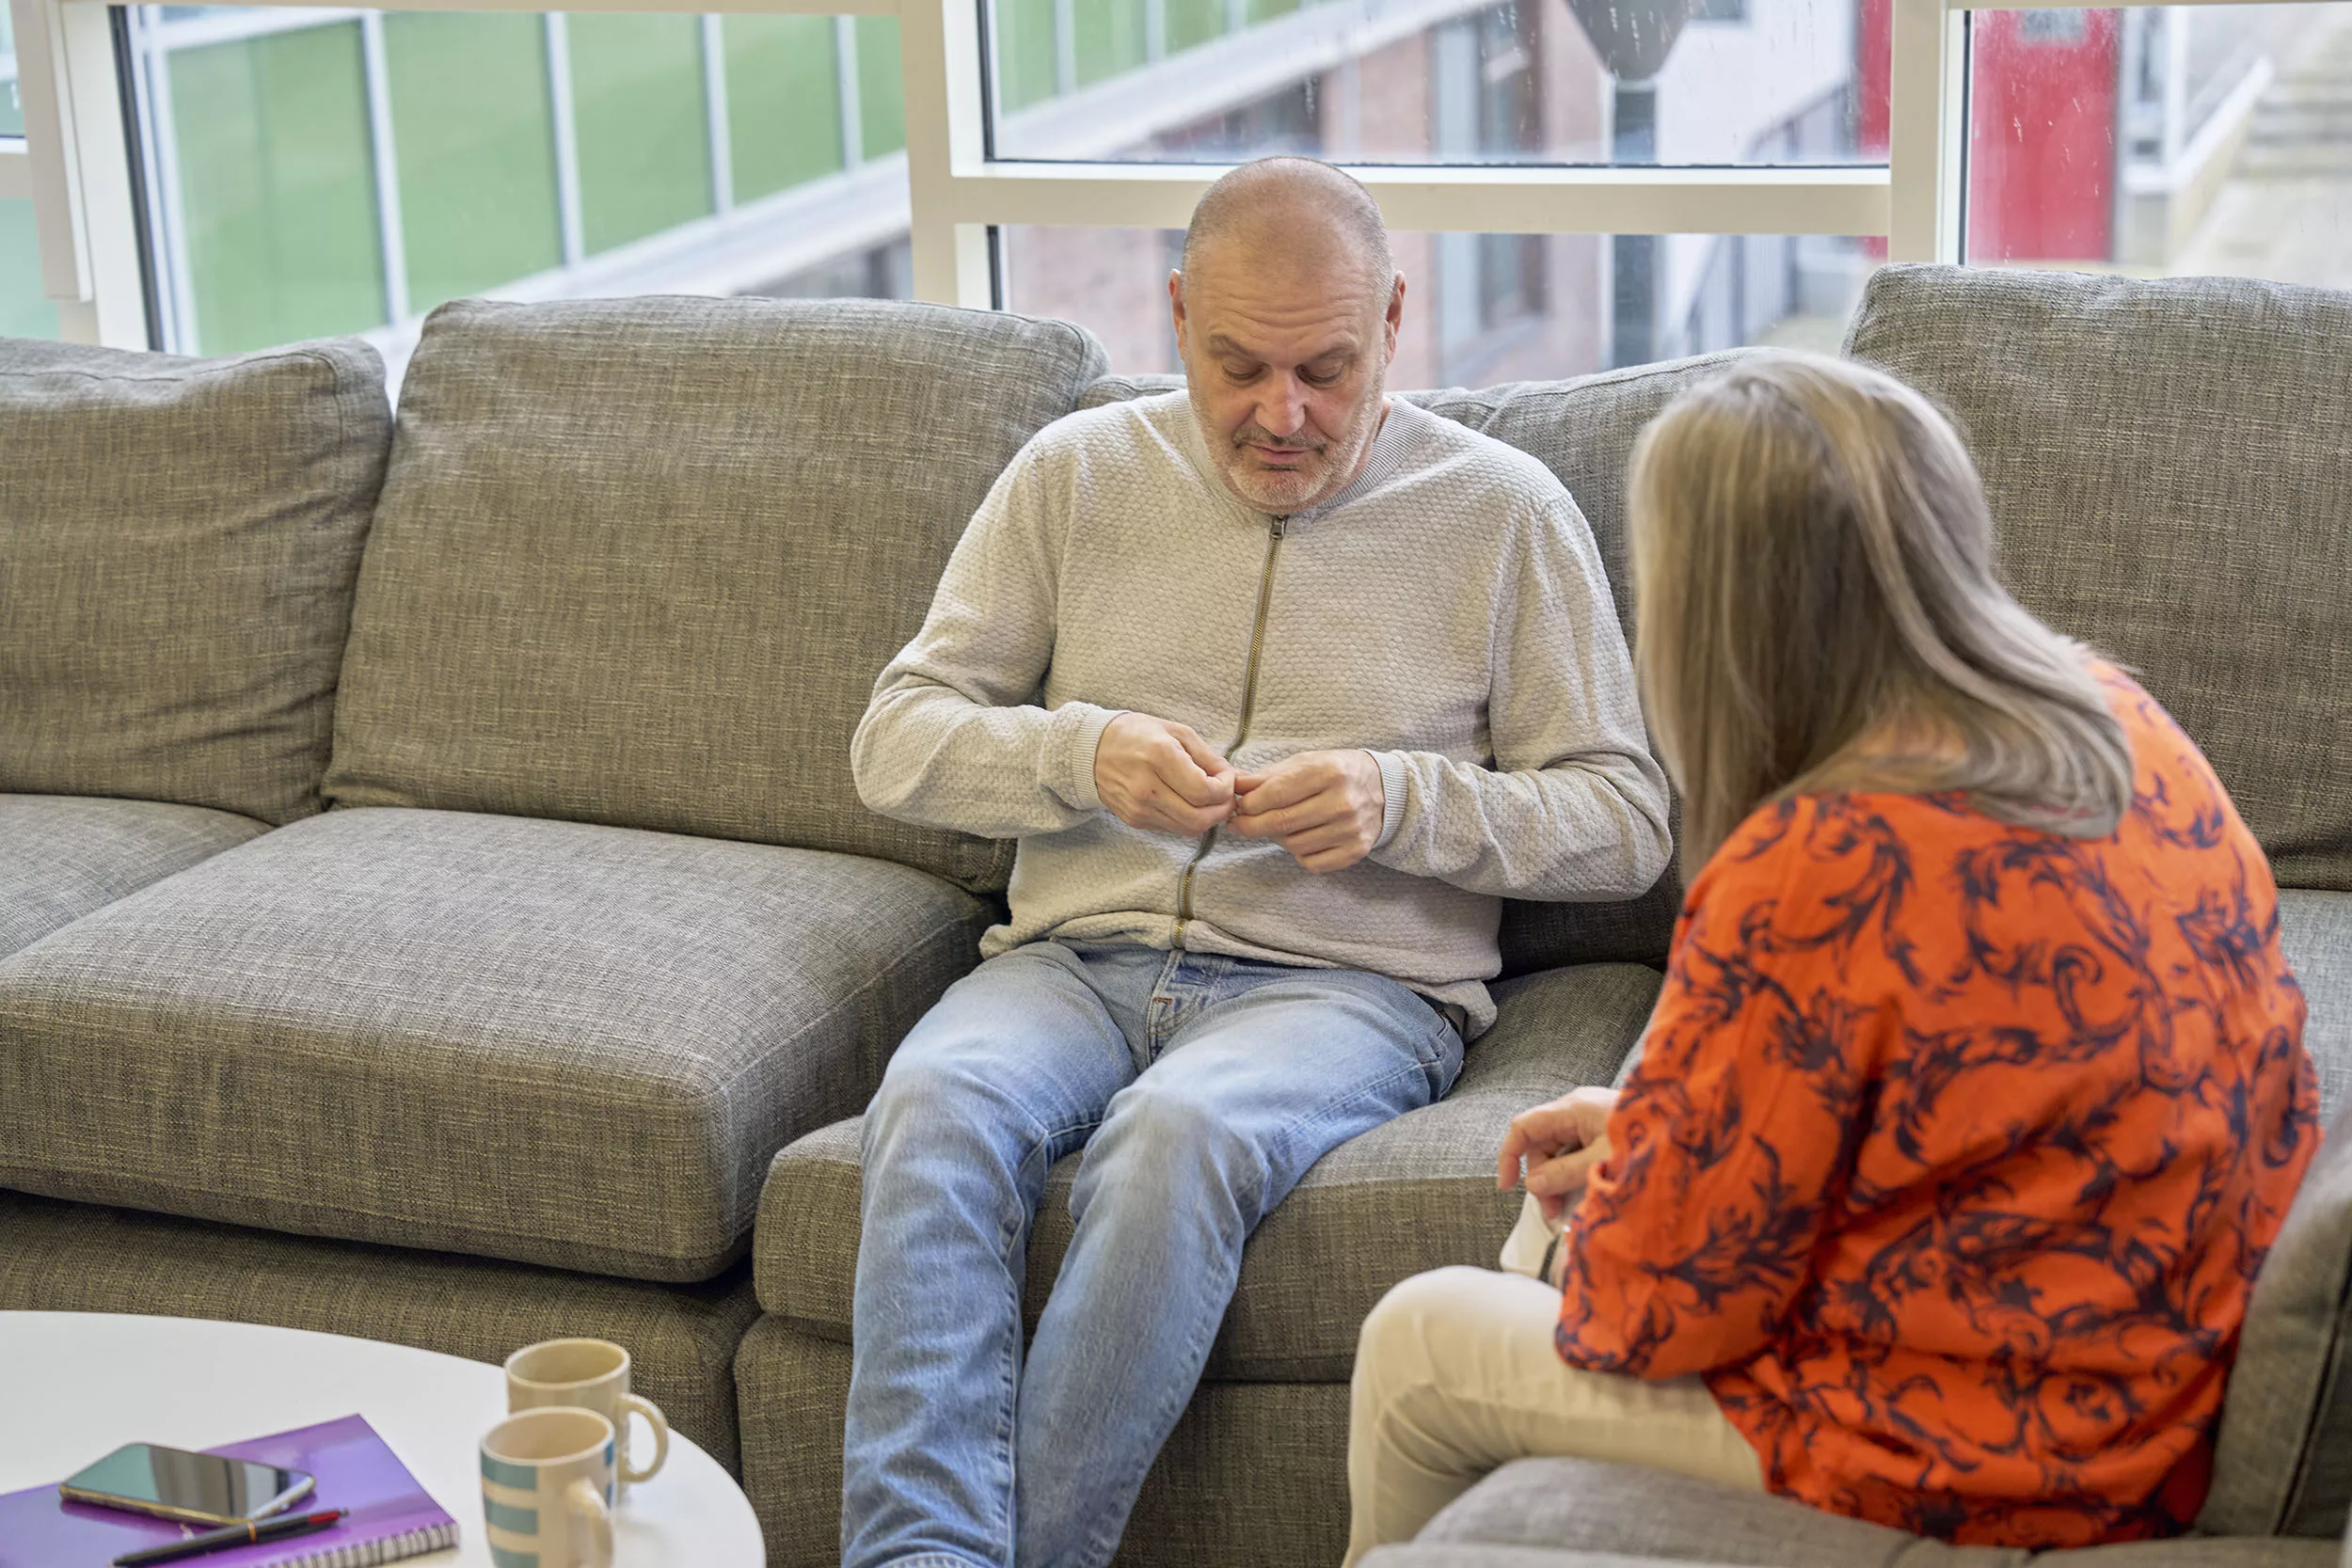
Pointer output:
x,y
390,1517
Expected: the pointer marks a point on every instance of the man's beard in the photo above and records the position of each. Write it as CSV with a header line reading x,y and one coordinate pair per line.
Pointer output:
x,y
1282,491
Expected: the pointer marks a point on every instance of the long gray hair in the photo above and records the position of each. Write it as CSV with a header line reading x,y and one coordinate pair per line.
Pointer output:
x,y
1818,611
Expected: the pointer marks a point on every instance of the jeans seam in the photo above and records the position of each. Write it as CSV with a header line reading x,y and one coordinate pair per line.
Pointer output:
x,y
1327,1112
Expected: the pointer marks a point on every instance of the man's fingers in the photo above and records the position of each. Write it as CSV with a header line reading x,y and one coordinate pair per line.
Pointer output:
x,y
1283,786
1203,756
1318,837
1191,784
1299,817
1172,815
1336,859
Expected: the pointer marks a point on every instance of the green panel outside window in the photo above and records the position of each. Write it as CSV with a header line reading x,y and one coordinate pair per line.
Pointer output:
x,y
1109,38
472,125
1026,51
1194,21
1267,10
880,92
644,125
12,108
783,100
25,310
278,188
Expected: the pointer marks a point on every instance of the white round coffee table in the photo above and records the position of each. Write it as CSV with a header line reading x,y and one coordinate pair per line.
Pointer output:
x,y
74,1386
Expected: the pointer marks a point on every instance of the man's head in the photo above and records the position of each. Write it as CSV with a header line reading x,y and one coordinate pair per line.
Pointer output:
x,y
1287,306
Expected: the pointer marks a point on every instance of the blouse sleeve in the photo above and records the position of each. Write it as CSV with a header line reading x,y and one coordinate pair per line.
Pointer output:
x,y
1735,1132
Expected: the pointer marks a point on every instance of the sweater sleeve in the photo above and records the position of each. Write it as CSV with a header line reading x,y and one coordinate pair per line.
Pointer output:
x,y
1695,1238
1574,807
956,735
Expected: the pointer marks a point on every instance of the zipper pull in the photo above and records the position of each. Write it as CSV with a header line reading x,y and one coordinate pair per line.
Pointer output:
x,y
1278,524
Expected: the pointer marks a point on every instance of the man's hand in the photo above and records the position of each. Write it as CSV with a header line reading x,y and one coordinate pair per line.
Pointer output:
x,y
1559,1143
1323,807
1162,777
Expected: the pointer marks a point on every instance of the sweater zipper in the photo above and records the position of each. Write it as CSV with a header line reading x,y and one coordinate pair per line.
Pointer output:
x,y
1275,527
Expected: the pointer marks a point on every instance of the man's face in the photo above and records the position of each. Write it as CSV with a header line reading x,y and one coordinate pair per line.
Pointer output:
x,y
1288,369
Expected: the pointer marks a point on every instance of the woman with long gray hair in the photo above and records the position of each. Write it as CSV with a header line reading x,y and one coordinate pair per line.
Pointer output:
x,y
1976,1089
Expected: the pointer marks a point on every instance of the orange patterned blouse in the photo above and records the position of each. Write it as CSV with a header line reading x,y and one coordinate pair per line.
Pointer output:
x,y
1953,1151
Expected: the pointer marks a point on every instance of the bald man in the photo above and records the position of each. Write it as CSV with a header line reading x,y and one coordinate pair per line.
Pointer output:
x,y
1282,687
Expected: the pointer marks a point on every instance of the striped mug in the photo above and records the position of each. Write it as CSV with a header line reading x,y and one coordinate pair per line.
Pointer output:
x,y
547,1489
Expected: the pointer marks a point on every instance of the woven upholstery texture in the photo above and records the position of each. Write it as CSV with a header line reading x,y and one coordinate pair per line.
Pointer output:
x,y
1551,1512
1584,430
2315,932
2166,463
1254,1475
62,856
79,1257
2283,1459
639,562
549,1041
177,544
1416,1194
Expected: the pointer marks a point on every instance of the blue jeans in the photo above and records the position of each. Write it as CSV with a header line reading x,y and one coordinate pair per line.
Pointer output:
x,y
1202,1088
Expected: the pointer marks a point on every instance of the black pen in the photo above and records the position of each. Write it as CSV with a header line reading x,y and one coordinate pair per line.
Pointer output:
x,y
232,1535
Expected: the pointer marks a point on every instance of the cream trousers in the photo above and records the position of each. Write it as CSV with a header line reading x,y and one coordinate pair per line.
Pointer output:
x,y
1455,1375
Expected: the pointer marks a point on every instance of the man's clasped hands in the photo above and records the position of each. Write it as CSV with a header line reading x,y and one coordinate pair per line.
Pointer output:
x,y
1323,807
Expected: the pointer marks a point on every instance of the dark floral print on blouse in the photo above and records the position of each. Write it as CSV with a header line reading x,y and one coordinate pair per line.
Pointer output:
x,y
1953,1151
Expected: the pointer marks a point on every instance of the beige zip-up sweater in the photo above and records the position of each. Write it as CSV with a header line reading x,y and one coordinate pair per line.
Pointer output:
x,y
1447,612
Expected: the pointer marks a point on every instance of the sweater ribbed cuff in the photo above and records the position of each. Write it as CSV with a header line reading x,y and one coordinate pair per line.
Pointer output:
x,y
1392,793
1077,731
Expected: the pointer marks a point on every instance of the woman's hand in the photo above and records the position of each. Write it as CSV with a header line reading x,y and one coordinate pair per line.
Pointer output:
x,y
1558,1144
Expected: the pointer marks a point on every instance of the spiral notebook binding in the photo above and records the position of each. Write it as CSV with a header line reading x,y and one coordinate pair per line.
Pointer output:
x,y
389,1548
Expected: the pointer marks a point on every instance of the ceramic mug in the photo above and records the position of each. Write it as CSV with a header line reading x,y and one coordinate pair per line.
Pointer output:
x,y
590,1374
546,1490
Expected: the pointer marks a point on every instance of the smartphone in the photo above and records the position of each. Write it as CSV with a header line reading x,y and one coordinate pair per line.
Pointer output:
x,y
173,1483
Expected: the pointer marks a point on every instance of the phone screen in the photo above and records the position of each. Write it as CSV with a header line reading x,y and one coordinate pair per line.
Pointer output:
x,y
176,1483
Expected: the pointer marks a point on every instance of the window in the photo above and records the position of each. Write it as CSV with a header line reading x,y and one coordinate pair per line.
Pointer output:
x,y
319,172
1432,81
1565,162
2164,140
11,106
1488,308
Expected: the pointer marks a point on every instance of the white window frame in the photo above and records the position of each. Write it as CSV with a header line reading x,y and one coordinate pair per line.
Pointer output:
x,y
73,160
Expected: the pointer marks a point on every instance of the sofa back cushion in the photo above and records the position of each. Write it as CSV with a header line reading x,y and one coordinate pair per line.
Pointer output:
x,y
1584,430
2282,1461
2166,463
638,562
177,544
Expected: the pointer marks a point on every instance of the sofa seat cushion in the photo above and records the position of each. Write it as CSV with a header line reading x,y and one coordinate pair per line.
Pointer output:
x,y
2166,465
639,561
1583,1514
179,540
1416,1194
545,1041
62,856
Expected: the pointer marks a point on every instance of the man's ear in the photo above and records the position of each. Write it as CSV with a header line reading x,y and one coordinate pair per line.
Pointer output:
x,y
1176,307
1395,317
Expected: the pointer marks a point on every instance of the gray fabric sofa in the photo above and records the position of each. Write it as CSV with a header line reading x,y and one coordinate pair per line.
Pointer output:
x,y
501,1048
559,1021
